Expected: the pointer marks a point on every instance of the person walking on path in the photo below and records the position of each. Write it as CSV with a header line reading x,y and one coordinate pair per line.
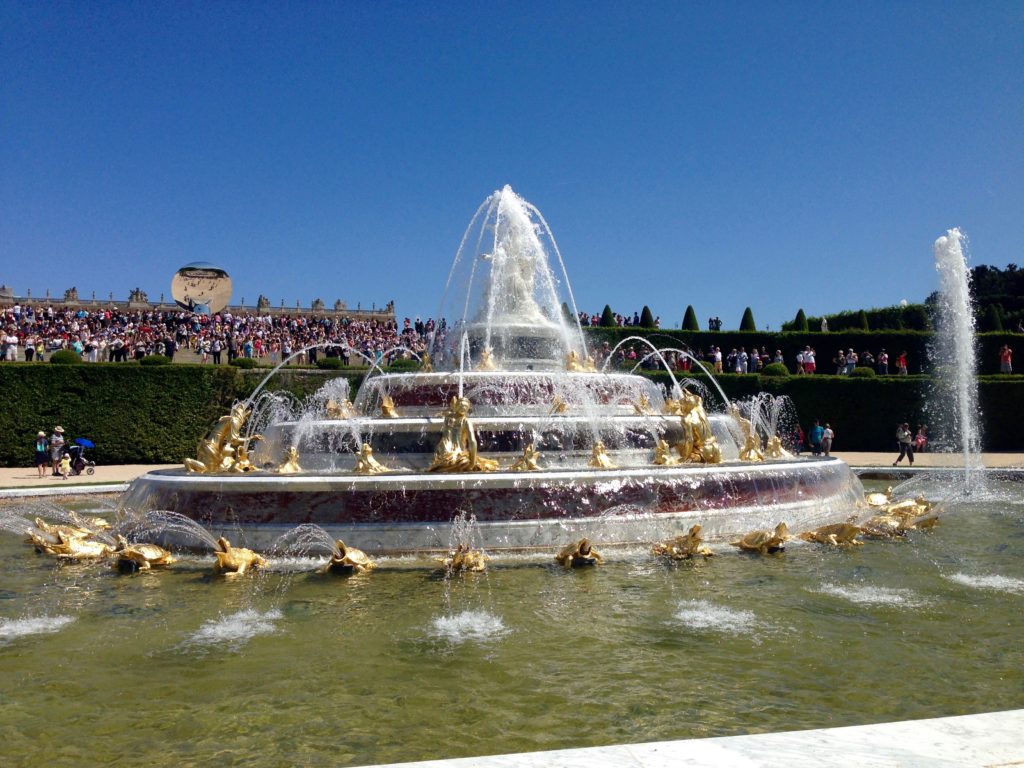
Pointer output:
x,y
905,439
814,437
1006,359
56,448
42,453
826,439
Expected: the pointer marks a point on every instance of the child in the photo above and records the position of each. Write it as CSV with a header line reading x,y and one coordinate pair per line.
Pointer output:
x,y
65,465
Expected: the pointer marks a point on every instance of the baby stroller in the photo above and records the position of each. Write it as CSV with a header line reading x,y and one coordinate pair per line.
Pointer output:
x,y
79,463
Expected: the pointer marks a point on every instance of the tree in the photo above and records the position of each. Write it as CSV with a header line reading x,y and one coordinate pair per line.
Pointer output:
x,y
862,321
747,323
646,318
607,317
690,319
993,318
567,314
800,323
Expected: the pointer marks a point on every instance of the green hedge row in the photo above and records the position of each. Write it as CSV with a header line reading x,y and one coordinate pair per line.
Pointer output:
x,y
826,345
138,414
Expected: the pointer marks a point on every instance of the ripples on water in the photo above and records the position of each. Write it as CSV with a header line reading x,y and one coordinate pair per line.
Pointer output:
x,y
705,616
997,583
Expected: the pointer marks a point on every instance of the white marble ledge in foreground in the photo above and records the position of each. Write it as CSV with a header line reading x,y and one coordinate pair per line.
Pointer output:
x,y
992,740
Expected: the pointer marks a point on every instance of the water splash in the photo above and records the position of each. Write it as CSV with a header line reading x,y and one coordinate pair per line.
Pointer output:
x,y
234,630
873,595
468,626
12,630
706,616
953,406
992,582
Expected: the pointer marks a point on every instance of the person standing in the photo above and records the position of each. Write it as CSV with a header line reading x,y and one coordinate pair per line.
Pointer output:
x,y
814,436
1006,359
56,447
42,453
901,364
905,440
883,363
826,439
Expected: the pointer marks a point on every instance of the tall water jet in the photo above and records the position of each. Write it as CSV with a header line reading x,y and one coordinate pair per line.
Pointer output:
x,y
954,406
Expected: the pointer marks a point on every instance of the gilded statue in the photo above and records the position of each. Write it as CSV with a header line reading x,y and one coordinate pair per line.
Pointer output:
x,y
837,535
426,364
698,443
642,407
235,559
558,406
290,465
684,547
67,542
387,408
224,447
457,449
464,559
486,360
579,554
140,557
528,462
764,542
572,362
751,450
342,410
366,464
663,455
346,560
599,457
774,449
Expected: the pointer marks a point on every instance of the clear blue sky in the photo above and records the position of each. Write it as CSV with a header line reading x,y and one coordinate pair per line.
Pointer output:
x,y
776,155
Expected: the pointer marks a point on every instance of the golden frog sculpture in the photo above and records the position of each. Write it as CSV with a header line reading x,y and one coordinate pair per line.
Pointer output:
x,y
457,449
836,535
642,407
579,554
387,408
698,443
366,464
342,410
486,360
764,542
684,547
290,465
464,559
219,451
346,560
663,455
599,458
528,462
232,560
129,558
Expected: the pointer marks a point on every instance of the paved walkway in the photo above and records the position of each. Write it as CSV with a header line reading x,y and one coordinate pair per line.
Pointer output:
x,y
988,740
26,477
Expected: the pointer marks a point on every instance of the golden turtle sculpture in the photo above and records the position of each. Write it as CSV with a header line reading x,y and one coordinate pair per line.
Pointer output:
x,y
231,560
129,558
883,527
579,554
879,499
684,546
837,535
463,559
764,542
346,560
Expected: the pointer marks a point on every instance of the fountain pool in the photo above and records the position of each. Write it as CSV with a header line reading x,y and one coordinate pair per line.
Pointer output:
x,y
290,667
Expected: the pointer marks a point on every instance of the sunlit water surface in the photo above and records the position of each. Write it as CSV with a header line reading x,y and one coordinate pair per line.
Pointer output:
x,y
291,667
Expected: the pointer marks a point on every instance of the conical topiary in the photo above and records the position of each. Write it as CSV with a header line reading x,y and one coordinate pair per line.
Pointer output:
x,y
747,323
862,320
646,318
800,323
607,317
690,319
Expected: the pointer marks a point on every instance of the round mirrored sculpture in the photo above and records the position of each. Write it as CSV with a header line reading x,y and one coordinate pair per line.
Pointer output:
x,y
201,287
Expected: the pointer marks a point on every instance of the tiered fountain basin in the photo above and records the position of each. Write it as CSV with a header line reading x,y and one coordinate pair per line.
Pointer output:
x,y
410,508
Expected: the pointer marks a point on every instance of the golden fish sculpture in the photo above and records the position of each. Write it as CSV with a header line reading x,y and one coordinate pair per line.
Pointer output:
x,y
599,458
528,462
290,465
366,464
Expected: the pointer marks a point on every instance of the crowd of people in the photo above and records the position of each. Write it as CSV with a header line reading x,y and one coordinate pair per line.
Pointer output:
x,y
116,335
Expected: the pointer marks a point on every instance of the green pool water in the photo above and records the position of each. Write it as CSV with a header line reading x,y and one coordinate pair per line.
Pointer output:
x,y
290,667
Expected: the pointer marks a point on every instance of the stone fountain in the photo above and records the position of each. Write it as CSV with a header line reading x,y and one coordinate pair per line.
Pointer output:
x,y
508,420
